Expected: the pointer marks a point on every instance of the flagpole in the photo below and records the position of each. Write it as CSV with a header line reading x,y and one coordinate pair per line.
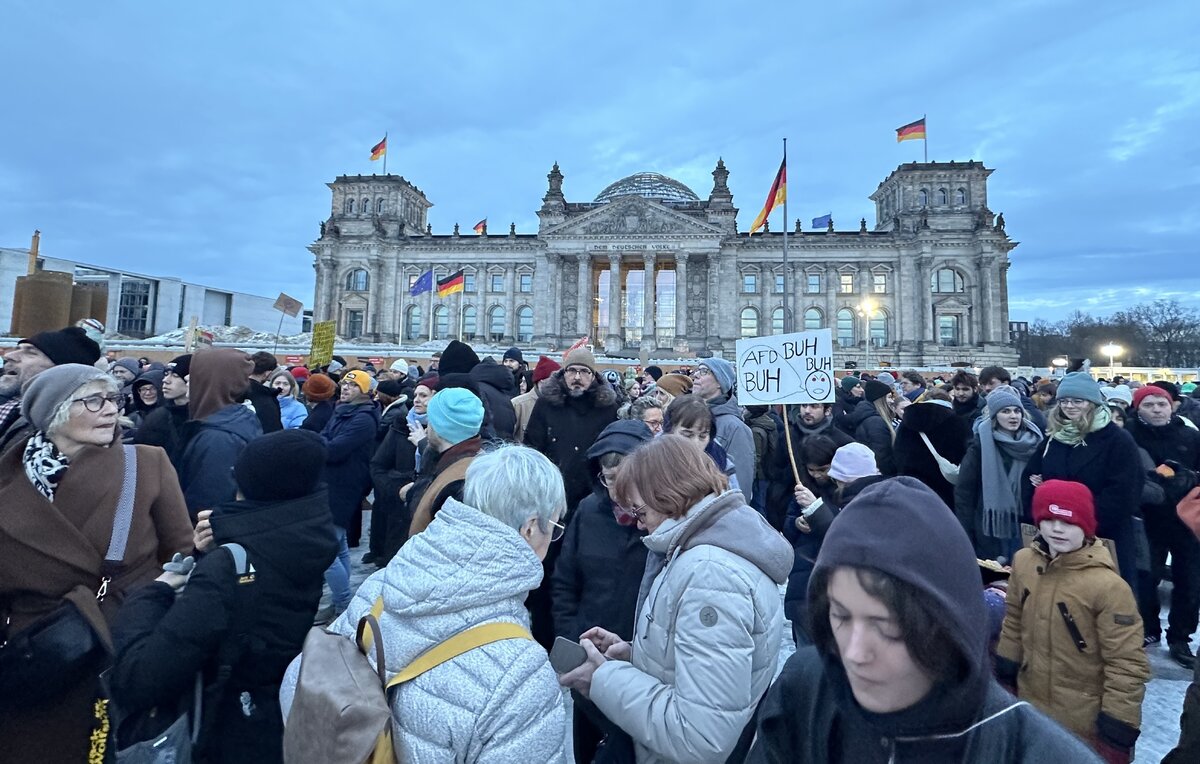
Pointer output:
x,y
432,292
787,271
925,140
385,152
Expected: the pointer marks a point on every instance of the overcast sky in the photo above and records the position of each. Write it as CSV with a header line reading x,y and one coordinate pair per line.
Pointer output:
x,y
195,139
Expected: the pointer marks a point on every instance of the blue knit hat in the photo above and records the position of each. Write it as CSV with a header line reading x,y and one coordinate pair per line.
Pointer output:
x,y
1079,384
722,371
455,415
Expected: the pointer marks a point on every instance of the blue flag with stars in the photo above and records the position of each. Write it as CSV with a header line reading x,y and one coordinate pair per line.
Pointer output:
x,y
822,222
422,285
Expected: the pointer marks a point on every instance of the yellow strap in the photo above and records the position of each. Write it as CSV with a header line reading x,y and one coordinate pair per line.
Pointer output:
x,y
368,635
457,645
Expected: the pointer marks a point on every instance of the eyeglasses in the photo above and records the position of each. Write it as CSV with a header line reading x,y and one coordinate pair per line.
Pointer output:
x,y
557,530
637,513
1074,402
578,371
702,371
95,403
603,480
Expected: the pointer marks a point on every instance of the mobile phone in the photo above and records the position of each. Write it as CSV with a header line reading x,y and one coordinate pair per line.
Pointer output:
x,y
566,656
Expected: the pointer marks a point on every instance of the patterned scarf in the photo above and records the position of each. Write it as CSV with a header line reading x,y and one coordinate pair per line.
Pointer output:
x,y
44,464
1068,434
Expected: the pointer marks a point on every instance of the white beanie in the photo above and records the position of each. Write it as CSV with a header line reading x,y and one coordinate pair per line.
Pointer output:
x,y
1118,393
851,462
400,365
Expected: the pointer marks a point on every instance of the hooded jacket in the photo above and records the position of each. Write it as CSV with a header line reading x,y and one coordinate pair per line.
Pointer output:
x,y
500,702
1094,687
564,428
899,527
164,427
949,435
734,435
496,384
349,442
163,640
212,446
872,432
139,412
706,638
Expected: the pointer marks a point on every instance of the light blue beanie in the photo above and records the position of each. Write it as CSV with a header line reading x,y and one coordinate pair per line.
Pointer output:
x,y
455,415
1079,384
722,371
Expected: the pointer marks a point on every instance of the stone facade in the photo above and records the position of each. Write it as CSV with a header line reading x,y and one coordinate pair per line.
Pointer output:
x,y
927,283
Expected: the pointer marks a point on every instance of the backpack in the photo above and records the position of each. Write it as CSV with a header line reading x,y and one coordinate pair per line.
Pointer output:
x,y
340,712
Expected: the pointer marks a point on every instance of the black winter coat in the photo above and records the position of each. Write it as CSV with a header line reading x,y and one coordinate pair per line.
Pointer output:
x,y
349,444
392,467
266,405
162,640
164,428
949,434
872,432
1176,442
564,428
970,409
598,572
318,416
496,385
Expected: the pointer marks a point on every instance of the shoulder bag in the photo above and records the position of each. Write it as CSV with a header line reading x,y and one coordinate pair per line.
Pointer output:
x,y
948,468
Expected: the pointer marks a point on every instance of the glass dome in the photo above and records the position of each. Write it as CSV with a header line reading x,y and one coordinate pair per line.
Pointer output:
x,y
650,185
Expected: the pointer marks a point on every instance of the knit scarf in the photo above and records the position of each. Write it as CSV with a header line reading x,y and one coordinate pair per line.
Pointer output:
x,y
1001,486
1068,433
44,464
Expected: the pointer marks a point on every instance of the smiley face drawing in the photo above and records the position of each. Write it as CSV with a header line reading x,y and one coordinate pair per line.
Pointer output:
x,y
819,385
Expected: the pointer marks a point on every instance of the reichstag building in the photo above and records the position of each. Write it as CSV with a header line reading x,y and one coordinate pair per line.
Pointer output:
x,y
649,265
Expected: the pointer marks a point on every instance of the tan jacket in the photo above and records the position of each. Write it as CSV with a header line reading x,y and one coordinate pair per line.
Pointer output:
x,y
1074,681
523,405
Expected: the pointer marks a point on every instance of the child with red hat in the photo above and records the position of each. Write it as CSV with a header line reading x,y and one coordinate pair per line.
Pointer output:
x,y
1071,643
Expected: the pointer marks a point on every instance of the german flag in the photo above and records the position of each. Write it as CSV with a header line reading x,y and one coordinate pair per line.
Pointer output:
x,y
913,131
379,149
451,284
777,195
481,227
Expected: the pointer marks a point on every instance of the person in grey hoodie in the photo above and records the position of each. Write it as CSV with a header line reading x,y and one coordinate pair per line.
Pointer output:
x,y
714,381
709,619
473,565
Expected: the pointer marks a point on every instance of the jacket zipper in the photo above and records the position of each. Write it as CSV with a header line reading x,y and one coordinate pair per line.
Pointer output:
x,y
1072,627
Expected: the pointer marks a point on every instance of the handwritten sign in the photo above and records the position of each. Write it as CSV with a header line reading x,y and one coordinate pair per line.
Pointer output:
x,y
322,344
786,368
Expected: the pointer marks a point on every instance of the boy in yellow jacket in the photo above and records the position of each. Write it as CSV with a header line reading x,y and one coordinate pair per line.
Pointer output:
x,y
1072,637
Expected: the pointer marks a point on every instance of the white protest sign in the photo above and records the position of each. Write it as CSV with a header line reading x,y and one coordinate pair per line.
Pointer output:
x,y
786,368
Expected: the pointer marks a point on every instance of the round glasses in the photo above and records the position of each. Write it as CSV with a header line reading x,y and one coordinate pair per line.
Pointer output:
x,y
95,403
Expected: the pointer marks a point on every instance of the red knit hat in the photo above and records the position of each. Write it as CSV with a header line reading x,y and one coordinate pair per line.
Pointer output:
x,y
1145,391
299,373
1065,500
545,367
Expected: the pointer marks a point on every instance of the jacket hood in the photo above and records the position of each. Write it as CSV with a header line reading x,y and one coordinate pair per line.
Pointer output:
x,y
1090,555
491,373
234,418
928,416
217,378
359,409
724,521
554,390
729,407
154,378
465,569
620,437
296,536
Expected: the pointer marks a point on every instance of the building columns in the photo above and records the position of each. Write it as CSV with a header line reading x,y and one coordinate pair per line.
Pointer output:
x,y
614,339
649,302
583,320
681,306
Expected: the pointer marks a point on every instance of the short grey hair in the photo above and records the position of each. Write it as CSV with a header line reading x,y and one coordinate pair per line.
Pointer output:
x,y
638,409
514,483
62,413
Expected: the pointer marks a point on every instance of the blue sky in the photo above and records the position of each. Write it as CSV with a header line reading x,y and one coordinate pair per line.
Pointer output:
x,y
196,139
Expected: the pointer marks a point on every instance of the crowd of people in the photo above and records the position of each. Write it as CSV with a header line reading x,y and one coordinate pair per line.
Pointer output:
x,y
970,564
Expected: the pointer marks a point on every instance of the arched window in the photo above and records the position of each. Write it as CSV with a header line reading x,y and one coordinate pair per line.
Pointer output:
x,y
496,323
960,196
946,280
749,322
348,207
412,322
469,326
813,319
525,324
923,198
777,321
942,199
379,206
364,207
845,327
357,280
879,329
441,322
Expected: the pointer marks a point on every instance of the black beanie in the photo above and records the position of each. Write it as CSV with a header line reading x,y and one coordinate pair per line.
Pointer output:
x,y
280,466
70,345
654,371
180,365
457,358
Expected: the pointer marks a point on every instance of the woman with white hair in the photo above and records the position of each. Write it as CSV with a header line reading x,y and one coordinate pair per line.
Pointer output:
x,y
473,565
60,490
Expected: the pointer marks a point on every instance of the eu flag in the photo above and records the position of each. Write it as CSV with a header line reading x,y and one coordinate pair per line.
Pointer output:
x,y
422,285
822,222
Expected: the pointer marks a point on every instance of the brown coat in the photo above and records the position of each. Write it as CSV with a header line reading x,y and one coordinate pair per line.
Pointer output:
x,y
1075,685
523,406
52,549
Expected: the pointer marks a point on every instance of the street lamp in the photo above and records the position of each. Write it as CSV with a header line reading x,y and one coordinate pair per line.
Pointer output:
x,y
866,309
1059,363
1112,350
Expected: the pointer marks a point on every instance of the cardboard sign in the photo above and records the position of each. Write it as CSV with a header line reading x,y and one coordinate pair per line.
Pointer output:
x,y
289,305
786,368
322,344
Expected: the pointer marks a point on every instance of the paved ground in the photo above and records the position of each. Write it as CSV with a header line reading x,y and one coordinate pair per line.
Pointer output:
x,y
1160,710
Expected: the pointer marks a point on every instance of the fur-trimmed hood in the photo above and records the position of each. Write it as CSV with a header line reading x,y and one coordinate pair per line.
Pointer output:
x,y
554,391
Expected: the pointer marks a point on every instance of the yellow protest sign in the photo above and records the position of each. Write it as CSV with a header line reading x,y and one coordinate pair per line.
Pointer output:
x,y
321,352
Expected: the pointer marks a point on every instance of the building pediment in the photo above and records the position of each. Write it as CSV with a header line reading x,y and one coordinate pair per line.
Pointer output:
x,y
954,301
632,216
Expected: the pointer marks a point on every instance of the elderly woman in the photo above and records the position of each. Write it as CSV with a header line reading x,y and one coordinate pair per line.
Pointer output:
x,y
649,411
474,564
709,620
291,411
59,491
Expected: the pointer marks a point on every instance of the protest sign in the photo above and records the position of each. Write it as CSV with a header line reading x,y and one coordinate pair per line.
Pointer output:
x,y
785,368
322,344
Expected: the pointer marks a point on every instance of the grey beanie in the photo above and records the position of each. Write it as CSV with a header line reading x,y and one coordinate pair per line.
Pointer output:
x,y
722,371
1080,384
44,393
1002,397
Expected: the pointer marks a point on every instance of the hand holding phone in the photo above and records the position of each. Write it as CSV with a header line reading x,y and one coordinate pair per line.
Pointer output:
x,y
566,656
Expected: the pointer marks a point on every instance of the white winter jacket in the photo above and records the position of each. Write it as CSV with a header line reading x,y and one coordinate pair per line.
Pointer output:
x,y
497,703
706,639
